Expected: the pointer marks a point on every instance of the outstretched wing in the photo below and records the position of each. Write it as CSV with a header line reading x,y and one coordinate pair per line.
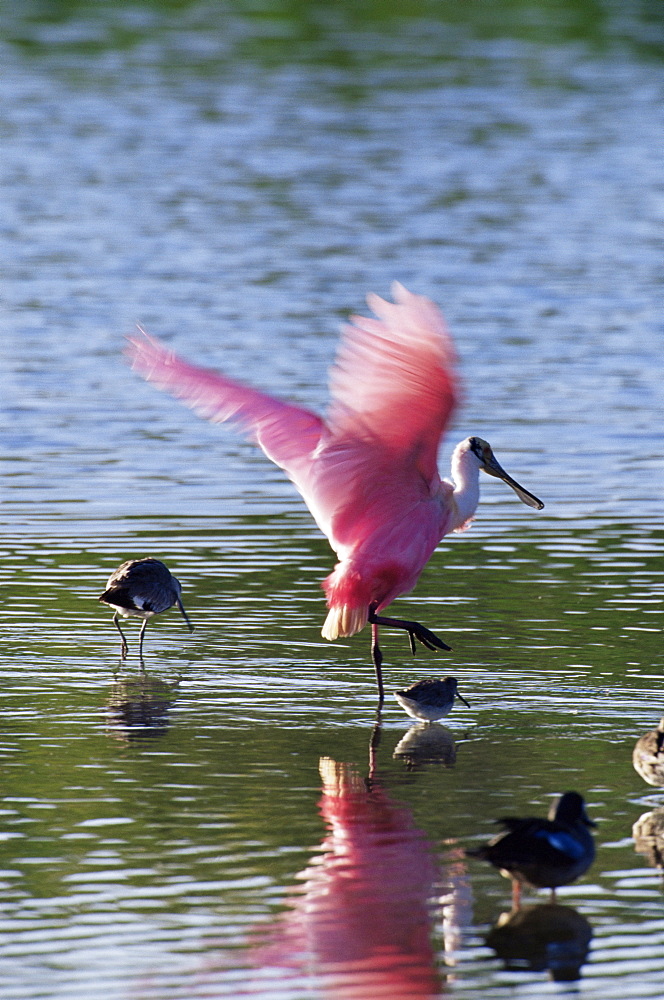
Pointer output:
x,y
394,381
287,434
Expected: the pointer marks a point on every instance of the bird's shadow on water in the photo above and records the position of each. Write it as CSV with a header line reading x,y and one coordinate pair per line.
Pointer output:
x,y
542,937
138,704
428,743
648,835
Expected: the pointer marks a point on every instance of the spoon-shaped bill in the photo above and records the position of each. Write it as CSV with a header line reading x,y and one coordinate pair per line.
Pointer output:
x,y
492,466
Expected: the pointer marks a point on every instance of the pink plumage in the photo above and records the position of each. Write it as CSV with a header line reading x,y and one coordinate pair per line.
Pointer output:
x,y
360,919
368,473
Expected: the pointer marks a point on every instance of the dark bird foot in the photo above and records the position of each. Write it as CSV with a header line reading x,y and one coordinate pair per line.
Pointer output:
x,y
414,630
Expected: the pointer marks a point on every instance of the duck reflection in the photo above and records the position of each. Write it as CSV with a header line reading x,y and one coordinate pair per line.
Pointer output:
x,y
543,937
138,706
363,920
648,756
648,833
427,743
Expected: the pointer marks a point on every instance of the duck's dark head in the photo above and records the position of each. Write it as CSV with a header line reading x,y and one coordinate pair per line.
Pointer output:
x,y
570,808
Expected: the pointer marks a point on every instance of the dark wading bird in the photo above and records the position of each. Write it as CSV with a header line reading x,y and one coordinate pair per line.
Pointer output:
x,y
545,853
368,473
141,588
430,699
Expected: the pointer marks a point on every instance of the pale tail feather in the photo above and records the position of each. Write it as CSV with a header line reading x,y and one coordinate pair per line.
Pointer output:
x,y
344,621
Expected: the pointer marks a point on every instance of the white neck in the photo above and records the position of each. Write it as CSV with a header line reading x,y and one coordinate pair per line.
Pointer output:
x,y
466,478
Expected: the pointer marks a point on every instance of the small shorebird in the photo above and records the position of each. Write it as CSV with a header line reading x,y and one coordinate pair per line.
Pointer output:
x,y
648,756
430,699
544,853
141,588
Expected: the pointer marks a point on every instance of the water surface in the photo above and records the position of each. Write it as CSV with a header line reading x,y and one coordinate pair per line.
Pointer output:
x,y
236,179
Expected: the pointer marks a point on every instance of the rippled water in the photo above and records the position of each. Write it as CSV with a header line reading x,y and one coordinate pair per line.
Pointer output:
x,y
235,178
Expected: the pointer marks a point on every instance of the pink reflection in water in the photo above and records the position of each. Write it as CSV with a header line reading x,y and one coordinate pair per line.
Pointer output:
x,y
363,921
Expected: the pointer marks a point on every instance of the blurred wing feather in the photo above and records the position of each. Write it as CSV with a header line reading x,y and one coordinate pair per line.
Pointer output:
x,y
287,434
394,380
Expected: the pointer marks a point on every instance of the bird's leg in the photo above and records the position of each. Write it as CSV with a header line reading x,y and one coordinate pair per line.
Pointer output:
x,y
414,629
140,640
377,657
125,648
516,894
374,743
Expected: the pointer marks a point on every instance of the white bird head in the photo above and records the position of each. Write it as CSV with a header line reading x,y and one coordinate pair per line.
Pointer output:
x,y
490,464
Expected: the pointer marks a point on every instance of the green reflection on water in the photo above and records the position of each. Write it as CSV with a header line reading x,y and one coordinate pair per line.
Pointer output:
x,y
337,33
249,703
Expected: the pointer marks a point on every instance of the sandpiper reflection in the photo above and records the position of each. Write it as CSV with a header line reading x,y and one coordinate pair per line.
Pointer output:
x,y
426,743
138,705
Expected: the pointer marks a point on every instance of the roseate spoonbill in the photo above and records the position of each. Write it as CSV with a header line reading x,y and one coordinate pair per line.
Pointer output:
x,y
648,756
430,699
545,853
368,473
141,588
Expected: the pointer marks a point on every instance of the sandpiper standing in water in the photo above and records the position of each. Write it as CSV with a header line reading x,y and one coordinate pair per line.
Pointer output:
x,y
141,588
430,699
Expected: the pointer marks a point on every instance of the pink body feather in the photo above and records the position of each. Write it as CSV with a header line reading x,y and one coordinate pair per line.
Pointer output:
x,y
368,473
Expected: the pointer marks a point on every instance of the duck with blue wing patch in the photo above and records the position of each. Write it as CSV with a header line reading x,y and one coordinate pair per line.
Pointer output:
x,y
544,853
